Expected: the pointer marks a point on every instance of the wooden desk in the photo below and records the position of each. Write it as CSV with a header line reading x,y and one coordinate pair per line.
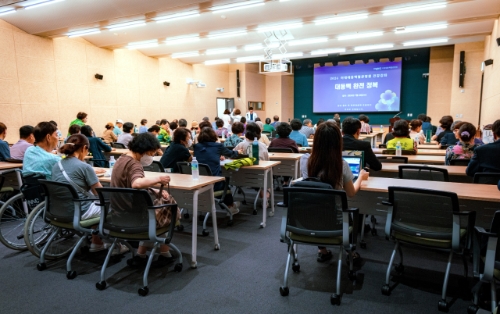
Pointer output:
x,y
303,150
455,173
372,137
429,146
482,198
117,152
289,166
261,176
429,152
189,193
421,159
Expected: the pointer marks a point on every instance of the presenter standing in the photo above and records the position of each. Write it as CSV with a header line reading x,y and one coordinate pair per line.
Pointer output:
x,y
251,116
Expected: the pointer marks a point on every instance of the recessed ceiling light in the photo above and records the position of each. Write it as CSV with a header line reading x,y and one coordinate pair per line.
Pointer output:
x,y
185,54
250,59
217,51
143,44
308,41
425,42
83,32
373,47
360,35
226,34
287,55
7,12
125,25
236,6
412,29
327,51
338,19
415,8
182,39
176,16
277,27
220,61
41,3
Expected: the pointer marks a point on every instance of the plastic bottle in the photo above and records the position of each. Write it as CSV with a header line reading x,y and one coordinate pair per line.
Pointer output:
x,y
255,151
223,135
195,171
398,149
417,139
381,128
111,163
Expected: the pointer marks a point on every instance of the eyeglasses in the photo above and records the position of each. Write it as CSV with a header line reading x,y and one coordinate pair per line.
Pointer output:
x,y
195,128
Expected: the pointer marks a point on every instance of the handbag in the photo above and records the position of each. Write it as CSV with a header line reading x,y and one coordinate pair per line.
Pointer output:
x,y
164,215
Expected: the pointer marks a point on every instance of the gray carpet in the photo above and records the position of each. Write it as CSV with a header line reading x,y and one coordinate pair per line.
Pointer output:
x,y
243,277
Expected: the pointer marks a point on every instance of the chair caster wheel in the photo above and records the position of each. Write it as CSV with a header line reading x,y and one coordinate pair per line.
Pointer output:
x,y
335,299
41,266
244,202
296,268
386,290
217,247
262,225
71,274
362,245
205,233
472,309
230,223
400,269
254,212
186,216
143,291
101,285
284,291
178,267
180,228
352,275
443,306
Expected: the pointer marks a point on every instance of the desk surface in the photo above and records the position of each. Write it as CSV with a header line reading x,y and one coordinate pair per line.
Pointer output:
x,y
178,181
9,165
430,152
429,146
452,170
420,159
284,156
470,191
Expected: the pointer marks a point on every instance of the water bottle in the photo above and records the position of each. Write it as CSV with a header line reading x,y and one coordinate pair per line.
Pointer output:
x,y
255,151
111,163
136,129
417,139
195,171
398,149
381,128
223,135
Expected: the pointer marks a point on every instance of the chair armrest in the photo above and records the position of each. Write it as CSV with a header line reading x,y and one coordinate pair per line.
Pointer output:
x,y
386,203
77,218
489,260
8,171
104,213
85,199
471,221
349,240
283,227
152,223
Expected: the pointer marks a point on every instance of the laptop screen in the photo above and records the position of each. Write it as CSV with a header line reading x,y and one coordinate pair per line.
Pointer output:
x,y
354,164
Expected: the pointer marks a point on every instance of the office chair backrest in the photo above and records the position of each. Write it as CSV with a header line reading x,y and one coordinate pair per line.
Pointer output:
x,y
279,150
313,211
423,173
459,162
156,166
59,204
185,168
32,190
393,159
424,213
487,178
118,145
126,209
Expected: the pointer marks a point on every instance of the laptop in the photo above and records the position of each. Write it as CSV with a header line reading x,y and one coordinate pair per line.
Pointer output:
x,y
355,164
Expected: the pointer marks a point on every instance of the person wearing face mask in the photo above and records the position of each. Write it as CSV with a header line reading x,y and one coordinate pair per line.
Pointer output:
x,y
128,172
40,157
178,150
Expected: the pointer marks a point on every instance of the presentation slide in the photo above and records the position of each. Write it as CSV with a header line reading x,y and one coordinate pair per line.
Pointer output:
x,y
373,87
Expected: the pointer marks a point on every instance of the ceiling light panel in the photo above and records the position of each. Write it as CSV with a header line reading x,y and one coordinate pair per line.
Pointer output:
x,y
308,41
360,35
277,27
260,46
250,59
217,35
143,44
84,32
185,54
220,61
327,51
41,3
425,42
5,12
182,39
115,27
176,16
287,55
236,6
373,47
414,8
412,29
338,19
211,52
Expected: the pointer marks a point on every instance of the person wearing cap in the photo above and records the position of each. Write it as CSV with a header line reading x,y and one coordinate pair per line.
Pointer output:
x,y
251,116
118,127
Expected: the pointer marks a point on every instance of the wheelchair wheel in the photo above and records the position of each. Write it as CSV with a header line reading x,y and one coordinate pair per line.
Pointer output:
x,y
37,231
12,219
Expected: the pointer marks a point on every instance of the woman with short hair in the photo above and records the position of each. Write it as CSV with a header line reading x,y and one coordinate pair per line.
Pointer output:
x,y
227,119
268,127
96,147
81,119
109,135
178,151
416,128
401,134
235,139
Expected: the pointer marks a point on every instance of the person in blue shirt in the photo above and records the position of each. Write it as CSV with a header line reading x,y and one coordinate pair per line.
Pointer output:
x,y
97,146
4,146
41,157
118,127
143,128
298,137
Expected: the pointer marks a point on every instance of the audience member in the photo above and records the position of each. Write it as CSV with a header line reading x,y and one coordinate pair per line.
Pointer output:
x,y
143,128
155,131
4,146
81,119
276,122
59,133
158,122
365,127
164,135
26,139
263,137
173,127
307,128
268,127
296,135
320,120
72,130
126,136
326,164
118,127
451,138
253,131
235,139
96,147
178,150
251,116
401,134
220,129
128,172
465,147
182,123
108,135
39,157
227,119
426,126
207,151
485,158
214,124
351,127
336,117
257,119
243,121
445,124
284,141
235,115
416,128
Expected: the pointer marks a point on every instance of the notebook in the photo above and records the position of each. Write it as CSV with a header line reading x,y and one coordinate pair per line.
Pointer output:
x,y
355,164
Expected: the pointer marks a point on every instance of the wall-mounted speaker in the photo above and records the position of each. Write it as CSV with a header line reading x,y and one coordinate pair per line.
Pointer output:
x,y
498,41
166,83
462,70
98,76
238,83
488,62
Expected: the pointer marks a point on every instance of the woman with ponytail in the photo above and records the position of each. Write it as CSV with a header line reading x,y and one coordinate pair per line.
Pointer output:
x,y
464,149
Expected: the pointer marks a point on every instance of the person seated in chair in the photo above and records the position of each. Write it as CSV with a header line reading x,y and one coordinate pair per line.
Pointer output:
x,y
155,130
108,135
326,164
464,149
485,157
83,175
284,140
26,139
178,150
253,131
126,136
351,127
4,146
296,135
220,129
237,129
451,138
401,134
365,127
97,146
40,158
416,128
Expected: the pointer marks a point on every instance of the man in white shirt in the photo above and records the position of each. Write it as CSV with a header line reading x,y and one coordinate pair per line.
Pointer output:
x,y
251,116
118,127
